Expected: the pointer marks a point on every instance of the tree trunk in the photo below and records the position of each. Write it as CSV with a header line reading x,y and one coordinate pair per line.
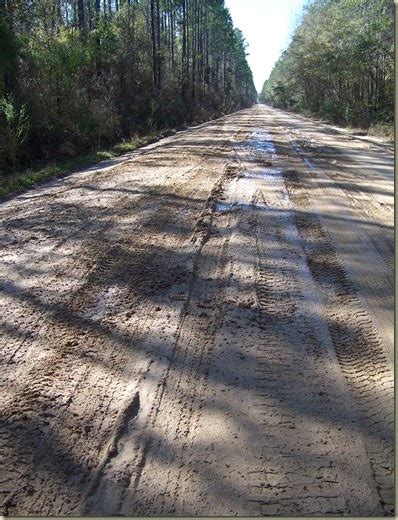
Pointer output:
x,y
154,49
158,44
80,14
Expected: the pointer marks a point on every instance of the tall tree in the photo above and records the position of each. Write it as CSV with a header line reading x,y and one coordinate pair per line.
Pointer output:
x,y
339,64
91,72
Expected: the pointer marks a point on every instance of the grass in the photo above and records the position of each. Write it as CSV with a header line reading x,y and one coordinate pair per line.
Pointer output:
x,y
385,130
22,181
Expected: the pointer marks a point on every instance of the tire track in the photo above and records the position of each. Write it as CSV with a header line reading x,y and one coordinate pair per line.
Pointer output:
x,y
69,323
278,448
303,452
178,362
177,406
357,343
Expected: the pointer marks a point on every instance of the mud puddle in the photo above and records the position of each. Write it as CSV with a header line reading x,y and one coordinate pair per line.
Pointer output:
x,y
262,141
223,207
268,179
271,173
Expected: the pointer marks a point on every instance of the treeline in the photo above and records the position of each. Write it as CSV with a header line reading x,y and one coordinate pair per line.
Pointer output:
x,y
78,74
339,65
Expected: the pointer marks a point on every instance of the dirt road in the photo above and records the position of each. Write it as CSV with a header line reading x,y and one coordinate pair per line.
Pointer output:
x,y
203,328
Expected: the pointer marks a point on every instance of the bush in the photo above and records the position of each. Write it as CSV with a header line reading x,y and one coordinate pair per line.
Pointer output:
x,y
16,128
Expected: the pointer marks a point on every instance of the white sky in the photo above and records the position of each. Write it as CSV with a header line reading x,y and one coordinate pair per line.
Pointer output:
x,y
267,26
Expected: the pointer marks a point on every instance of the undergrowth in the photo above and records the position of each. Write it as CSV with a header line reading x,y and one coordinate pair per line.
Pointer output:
x,y
27,179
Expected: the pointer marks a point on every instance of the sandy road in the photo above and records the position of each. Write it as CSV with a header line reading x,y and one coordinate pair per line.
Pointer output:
x,y
204,328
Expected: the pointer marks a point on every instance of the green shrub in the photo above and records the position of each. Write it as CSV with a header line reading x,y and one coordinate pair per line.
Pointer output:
x,y
16,126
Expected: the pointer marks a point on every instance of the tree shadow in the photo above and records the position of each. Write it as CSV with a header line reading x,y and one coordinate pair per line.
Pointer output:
x,y
149,275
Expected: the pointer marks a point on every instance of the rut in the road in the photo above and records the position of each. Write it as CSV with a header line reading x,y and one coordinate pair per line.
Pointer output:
x,y
298,473
81,331
175,405
358,346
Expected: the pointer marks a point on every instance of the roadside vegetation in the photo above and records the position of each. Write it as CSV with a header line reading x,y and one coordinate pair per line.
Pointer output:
x,y
339,65
78,76
23,180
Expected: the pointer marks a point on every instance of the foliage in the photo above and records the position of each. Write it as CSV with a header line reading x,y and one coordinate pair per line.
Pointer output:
x,y
92,72
16,126
21,181
339,65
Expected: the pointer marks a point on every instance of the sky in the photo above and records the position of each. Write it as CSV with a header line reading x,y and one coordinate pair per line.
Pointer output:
x,y
267,26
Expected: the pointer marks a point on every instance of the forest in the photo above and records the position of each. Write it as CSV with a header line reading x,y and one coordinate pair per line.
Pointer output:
x,y
339,65
77,75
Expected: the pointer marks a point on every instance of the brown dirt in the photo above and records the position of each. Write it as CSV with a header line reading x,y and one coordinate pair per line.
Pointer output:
x,y
203,328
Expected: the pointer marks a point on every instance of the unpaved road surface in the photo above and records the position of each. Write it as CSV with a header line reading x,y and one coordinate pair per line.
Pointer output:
x,y
204,328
